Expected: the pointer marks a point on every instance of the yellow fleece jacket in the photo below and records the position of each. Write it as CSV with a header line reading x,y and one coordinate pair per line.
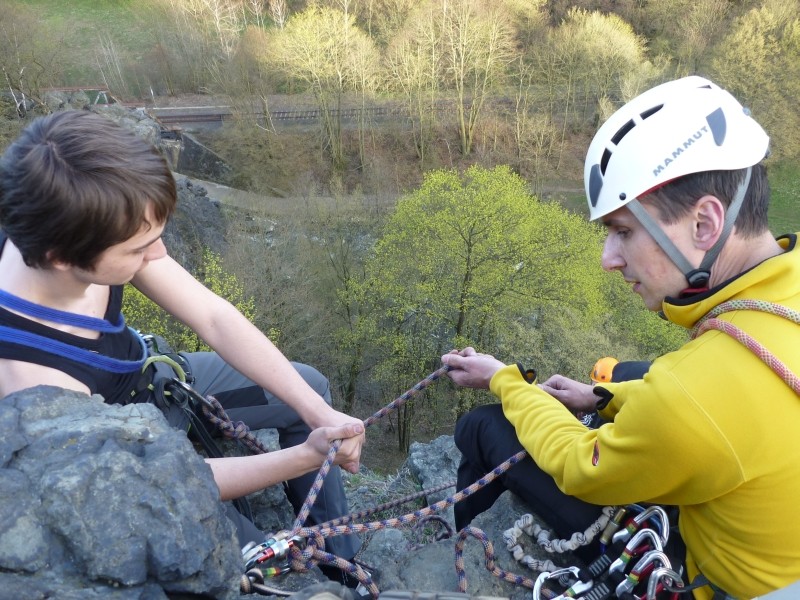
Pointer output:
x,y
710,428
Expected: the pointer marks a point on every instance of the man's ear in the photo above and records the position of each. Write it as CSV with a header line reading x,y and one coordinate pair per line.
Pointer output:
x,y
709,215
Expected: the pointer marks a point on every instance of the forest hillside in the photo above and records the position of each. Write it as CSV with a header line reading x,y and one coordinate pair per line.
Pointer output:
x,y
436,198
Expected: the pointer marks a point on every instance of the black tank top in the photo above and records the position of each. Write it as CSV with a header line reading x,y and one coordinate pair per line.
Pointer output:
x,y
114,387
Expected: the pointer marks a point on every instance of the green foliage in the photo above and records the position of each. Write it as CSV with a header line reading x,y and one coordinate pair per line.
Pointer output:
x,y
759,63
473,259
143,314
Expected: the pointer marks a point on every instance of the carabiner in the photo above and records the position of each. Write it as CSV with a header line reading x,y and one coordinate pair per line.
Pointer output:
x,y
634,577
635,523
275,547
577,588
674,581
631,547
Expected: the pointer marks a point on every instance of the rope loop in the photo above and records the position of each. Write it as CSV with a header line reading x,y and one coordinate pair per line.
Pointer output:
x,y
710,321
488,550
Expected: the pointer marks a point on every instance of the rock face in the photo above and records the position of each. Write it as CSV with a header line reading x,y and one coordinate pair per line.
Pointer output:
x,y
435,465
102,501
107,501
198,223
402,562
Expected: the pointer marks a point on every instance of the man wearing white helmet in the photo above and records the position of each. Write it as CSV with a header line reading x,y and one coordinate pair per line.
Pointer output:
x,y
677,179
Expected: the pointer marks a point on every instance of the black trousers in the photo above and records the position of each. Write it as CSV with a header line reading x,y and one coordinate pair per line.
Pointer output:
x,y
245,401
486,439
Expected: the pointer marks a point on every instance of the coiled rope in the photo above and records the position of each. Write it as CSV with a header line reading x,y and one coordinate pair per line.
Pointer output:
x,y
709,321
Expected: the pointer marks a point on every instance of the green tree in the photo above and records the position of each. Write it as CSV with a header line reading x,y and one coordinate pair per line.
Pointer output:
x,y
462,260
143,314
323,48
759,63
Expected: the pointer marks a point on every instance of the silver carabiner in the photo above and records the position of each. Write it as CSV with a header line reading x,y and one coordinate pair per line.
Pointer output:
x,y
634,577
620,563
674,581
577,588
624,534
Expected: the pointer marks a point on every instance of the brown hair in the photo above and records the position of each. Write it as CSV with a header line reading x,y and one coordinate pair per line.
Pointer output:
x,y
75,183
676,198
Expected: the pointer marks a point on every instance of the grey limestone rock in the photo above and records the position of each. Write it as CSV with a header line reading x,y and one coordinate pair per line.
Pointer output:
x,y
107,498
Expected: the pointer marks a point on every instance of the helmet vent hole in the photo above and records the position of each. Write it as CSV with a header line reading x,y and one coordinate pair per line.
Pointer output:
x,y
651,111
604,161
623,131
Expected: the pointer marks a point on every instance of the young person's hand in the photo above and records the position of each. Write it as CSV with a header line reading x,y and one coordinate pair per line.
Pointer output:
x,y
320,439
471,369
352,444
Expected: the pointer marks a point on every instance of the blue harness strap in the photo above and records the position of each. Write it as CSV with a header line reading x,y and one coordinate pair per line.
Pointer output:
x,y
86,357
62,349
59,316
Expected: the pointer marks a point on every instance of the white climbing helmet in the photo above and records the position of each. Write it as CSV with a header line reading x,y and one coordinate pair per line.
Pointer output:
x,y
680,127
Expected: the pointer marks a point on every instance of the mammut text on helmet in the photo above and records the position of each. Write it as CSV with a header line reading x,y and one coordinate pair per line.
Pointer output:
x,y
680,149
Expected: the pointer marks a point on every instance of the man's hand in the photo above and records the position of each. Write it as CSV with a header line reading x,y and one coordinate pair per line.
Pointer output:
x,y
576,396
470,368
352,436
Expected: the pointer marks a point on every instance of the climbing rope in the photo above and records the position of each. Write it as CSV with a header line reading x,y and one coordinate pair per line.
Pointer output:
x,y
302,559
216,415
302,548
709,321
304,556
488,550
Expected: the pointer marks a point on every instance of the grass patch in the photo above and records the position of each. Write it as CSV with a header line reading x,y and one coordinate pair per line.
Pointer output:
x,y
784,213
85,30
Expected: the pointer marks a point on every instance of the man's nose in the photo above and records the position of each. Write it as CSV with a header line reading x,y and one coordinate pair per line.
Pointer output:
x,y
611,259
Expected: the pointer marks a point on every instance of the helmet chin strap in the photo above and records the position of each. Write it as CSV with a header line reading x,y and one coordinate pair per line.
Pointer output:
x,y
696,278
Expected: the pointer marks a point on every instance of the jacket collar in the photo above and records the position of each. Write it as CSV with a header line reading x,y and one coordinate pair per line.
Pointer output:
x,y
773,280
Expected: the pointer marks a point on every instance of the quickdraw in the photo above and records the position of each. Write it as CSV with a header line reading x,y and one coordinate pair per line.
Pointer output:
x,y
640,571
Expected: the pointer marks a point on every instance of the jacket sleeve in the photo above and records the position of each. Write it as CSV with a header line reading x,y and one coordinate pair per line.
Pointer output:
x,y
648,454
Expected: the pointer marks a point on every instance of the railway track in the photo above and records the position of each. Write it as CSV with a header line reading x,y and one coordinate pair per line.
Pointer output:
x,y
178,115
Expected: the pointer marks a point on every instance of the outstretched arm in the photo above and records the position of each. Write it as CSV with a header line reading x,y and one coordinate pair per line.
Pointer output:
x,y
240,344
469,368
237,476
